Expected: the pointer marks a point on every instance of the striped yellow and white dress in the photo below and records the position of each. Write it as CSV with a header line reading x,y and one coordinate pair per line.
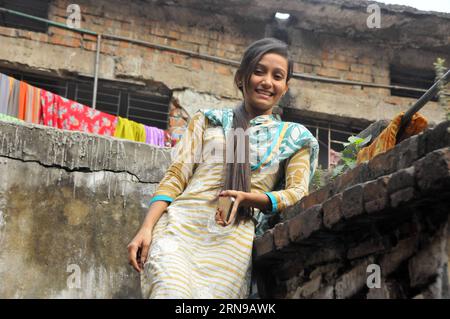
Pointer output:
x,y
193,257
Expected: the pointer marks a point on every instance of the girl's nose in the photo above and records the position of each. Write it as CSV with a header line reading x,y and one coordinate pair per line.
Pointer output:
x,y
266,83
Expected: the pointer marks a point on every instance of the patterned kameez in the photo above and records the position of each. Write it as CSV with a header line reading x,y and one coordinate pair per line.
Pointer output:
x,y
193,257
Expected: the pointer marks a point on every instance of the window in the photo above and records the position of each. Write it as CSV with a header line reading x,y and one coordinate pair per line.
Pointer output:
x,y
122,99
331,135
153,112
37,8
127,100
414,78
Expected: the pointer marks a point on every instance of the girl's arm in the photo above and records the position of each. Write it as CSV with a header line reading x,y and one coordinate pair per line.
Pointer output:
x,y
140,245
297,183
187,153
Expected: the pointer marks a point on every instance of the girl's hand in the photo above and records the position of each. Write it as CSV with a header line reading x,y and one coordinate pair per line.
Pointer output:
x,y
138,249
240,199
219,219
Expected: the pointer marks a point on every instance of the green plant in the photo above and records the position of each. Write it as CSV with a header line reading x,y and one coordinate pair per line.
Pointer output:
x,y
317,180
350,153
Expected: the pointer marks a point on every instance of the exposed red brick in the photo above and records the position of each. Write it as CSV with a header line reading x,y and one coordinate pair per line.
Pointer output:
x,y
352,201
401,179
332,211
358,77
304,224
433,170
196,64
407,152
382,164
376,195
339,65
354,176
434,139
65,41
224,70
7,31
281,235
402,196
317,197
177,59
332,73
264,244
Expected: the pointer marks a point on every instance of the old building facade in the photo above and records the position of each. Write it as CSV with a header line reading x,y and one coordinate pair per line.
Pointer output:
x,y
160,61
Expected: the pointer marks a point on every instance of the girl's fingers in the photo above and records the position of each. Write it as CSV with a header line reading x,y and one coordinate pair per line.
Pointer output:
x,y
228,193
218,217
132,256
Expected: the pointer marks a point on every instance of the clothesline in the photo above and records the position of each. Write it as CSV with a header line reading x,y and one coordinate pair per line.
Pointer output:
x,y
25,102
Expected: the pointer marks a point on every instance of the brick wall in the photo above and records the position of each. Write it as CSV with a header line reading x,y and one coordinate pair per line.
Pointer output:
x,y
391,212
219,35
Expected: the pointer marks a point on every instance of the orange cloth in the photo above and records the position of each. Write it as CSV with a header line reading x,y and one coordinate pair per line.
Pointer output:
x,y
11,82
388,137
22,100
29,103
36,111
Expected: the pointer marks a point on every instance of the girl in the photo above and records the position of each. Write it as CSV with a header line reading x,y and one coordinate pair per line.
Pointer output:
x,y
185,247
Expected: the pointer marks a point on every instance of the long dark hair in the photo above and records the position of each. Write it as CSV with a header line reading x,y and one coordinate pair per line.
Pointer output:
x,y
238,175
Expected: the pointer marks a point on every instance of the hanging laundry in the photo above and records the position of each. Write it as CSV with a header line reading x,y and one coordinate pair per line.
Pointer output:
x,y
66,114
388,137
19,99
149,135
13,103
4,93
154,136
22,100
130,130
32,105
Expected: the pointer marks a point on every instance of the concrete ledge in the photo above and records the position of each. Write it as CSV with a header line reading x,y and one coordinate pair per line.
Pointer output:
x,y
82,151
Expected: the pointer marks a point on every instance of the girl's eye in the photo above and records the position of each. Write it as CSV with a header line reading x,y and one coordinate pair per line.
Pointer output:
x,y
279,77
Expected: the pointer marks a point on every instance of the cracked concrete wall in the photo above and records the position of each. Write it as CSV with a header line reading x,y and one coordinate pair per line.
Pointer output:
x,y
70,203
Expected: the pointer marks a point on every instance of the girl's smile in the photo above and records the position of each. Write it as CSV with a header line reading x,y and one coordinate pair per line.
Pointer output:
x,y
267,84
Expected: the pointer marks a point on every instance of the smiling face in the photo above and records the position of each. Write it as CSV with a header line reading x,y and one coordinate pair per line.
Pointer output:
x,y
267,84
